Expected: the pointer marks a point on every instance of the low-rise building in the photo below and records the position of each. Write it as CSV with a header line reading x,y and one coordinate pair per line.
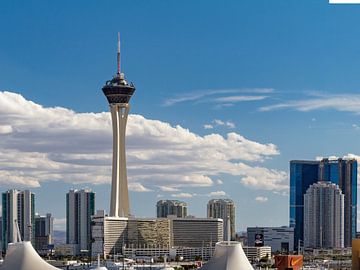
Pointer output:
x,y
257,253
114,235
196,232
280,239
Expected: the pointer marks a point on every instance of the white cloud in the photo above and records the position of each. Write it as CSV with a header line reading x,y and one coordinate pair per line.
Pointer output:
x,y
137,187
228,124
316,101
5,129
261,199
234,99
183,195
47,144
168,189
217,193
208,126
212,95
219,182
60,224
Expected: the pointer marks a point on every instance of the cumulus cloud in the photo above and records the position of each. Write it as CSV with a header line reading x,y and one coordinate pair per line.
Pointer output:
x,y
219,96
261,199
47,144
208,126
316,101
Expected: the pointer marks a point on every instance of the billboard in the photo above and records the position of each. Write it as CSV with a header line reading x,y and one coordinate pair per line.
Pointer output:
x,y
259,240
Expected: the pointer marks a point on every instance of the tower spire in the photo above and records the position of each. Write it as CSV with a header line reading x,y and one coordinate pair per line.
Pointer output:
x,y
118,54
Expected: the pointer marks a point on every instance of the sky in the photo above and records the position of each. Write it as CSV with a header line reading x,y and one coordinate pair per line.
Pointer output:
x,y
227,93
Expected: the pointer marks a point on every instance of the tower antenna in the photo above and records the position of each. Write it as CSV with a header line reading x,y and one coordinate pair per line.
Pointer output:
x,y
118,54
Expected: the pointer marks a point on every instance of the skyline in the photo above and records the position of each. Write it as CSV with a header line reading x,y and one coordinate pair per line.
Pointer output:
x,y
222,103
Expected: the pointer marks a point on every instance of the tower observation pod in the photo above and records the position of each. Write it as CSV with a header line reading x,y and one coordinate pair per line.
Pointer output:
x,y
118,93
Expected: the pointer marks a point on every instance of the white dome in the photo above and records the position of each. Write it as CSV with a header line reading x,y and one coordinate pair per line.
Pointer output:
x,y
22,256
228,256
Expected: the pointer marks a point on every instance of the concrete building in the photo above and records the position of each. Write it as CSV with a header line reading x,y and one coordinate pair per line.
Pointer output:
x,y
223,208
257,253
43,232
166,208
118,93
196,232
18,208
280,239
324,216
109,234
80,205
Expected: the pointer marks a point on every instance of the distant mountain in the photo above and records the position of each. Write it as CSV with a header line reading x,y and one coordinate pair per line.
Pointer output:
x,y
59,237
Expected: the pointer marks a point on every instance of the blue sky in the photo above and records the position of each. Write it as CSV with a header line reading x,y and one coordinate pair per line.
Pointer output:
x,y
282,74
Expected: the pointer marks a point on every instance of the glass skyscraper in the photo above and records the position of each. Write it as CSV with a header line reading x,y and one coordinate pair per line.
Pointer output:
x,y
342,172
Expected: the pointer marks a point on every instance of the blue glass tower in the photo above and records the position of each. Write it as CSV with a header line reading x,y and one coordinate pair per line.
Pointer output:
x,y
339,171
302,175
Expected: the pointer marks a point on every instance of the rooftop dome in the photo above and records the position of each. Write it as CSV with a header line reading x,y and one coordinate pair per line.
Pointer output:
x,y
22,256
228,256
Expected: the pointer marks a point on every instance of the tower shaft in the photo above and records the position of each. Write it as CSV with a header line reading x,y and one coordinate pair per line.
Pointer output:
x,y
119,204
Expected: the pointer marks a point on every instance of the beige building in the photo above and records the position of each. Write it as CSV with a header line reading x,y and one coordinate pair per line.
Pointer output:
x,y
109,234
196,232
223,208
355,254
149,232
112,235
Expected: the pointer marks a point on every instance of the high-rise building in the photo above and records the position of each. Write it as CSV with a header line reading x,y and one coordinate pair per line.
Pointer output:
x,y
43,231
80,206
1,245
223,208
324,216
166,208
342,172
280,239
18,209
118,93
